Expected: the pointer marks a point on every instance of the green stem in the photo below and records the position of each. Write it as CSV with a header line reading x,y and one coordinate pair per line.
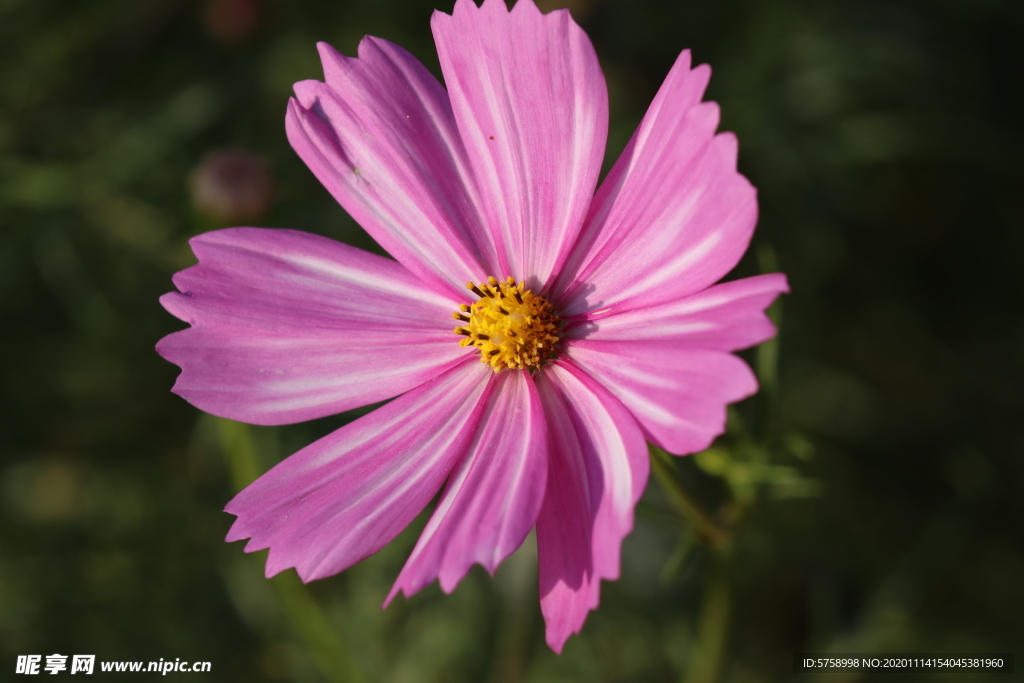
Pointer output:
x,y
312,625
700,521
713,626
236,443
307,619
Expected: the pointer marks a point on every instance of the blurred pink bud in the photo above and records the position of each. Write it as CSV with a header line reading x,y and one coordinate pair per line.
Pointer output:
x,y
232,185
231,21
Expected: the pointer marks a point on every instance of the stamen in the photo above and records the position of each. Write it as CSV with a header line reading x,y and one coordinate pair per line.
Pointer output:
x,y
509,335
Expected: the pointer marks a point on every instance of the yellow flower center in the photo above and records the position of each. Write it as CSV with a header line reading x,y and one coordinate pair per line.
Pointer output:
x,y
513,327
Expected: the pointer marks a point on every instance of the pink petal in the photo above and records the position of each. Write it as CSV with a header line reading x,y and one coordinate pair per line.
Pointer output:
x,y
492,499
724,317
347,495
568,587
598,470
288,326
677,394
673,211
532,109
380,136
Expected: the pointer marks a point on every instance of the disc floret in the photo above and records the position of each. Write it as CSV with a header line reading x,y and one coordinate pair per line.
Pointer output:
x,y
513,327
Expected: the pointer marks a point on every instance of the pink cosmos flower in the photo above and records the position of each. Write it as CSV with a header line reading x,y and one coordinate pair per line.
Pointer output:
x,y
595,316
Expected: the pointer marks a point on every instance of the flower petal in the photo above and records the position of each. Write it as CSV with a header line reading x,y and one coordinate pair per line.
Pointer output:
x,y
673,210
568,587
724,317
380,136
289,326
492,499
677,394
598,471
532,109
344,497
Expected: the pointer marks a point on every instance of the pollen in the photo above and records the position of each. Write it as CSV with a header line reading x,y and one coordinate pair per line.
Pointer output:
x,y
513,327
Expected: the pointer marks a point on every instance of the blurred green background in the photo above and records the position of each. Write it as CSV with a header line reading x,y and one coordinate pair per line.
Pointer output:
x,y
870,494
